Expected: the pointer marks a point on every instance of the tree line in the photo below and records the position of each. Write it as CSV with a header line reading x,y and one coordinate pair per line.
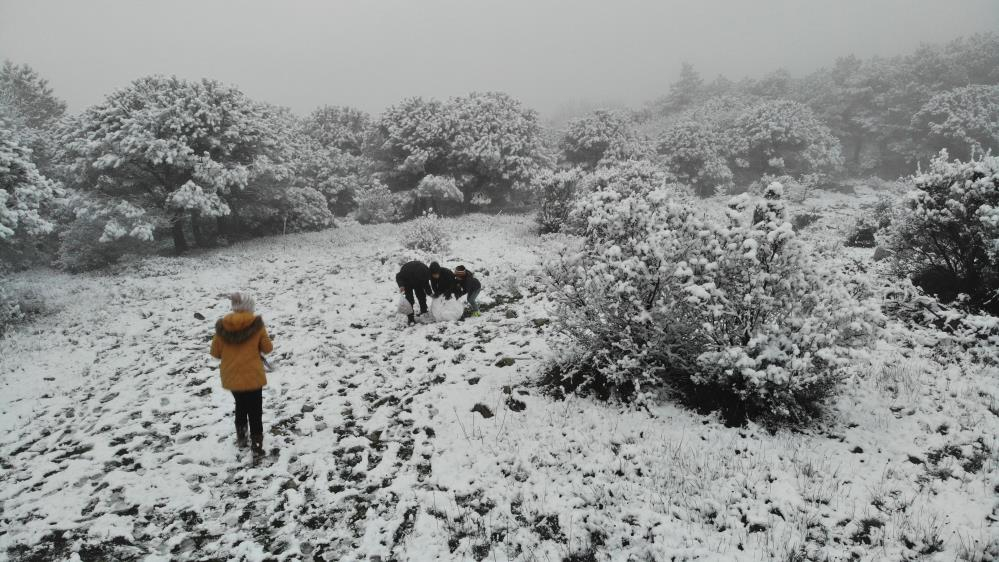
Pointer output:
x,y
196,163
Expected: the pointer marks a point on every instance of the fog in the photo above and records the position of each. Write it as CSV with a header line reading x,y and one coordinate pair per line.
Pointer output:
x,y
371,54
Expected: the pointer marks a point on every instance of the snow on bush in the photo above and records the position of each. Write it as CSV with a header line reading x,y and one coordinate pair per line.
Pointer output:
x,y
964,121
377,204
738,314
556,191
305,209
102,232
439,192
696,156
426,234
976,333
10,311
603,136
947,236
629,177
782,137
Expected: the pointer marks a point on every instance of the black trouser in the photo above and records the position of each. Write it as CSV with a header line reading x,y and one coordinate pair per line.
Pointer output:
x,y
421,295
249,410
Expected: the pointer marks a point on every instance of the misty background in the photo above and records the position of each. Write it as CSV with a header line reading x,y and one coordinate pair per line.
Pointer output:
x,y
555,56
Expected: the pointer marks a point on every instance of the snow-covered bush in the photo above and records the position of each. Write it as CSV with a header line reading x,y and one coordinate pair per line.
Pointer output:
x,y
338,175
862,235
377,204
102,232
10,311
556,191
305,210
344,129
440,193
426,234
629,177
964,121
947,237
589,140
734,314
977,334
781,137
696,156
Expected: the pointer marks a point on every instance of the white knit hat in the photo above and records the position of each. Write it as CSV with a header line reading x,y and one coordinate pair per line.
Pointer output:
x,y
242,302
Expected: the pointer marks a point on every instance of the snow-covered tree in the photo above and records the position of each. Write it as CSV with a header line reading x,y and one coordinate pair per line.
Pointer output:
x,y
497,146
181,149
342,128
329,155
656,295
26,196
29,96
696,155
31,109
686,91
947,237
963,121
488,142
782,137
603,135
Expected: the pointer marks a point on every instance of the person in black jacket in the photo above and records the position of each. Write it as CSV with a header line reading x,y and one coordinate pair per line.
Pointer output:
x,y
467,284
414,278
442,282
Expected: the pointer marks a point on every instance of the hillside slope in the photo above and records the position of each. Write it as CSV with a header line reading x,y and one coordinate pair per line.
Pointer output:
x,y
431,442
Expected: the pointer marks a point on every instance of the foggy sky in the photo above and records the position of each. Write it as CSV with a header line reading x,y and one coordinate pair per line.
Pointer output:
x,y
373,53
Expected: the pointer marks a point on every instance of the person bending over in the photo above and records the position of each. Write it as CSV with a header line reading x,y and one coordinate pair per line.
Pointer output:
x,y
413,279
442,282
468,285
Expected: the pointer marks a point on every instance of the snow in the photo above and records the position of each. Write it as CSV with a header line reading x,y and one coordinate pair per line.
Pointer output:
x,y
117,435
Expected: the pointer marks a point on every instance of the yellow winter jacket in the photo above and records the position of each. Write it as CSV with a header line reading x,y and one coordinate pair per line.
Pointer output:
x,y
240,338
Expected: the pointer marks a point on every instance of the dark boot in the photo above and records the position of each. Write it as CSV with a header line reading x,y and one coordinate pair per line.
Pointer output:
x,y
241,440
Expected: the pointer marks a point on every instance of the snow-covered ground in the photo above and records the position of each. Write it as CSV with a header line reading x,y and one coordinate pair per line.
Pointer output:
x,y
433,441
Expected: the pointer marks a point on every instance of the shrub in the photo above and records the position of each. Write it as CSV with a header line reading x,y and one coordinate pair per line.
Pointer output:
x,y
630,177
377,204
102,233
782,137
738,315
440,193
305,209
10,312
426,234
862,235
589,140
695,155
948,233
557,194
965,121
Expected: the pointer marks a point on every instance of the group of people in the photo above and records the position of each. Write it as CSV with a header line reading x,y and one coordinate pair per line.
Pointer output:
x,y
241,339
416,280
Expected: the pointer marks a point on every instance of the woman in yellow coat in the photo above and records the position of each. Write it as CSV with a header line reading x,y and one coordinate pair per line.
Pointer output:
x,y
240,339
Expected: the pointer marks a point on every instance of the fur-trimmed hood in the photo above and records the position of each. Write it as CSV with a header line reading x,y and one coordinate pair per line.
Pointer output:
x,y
238,327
